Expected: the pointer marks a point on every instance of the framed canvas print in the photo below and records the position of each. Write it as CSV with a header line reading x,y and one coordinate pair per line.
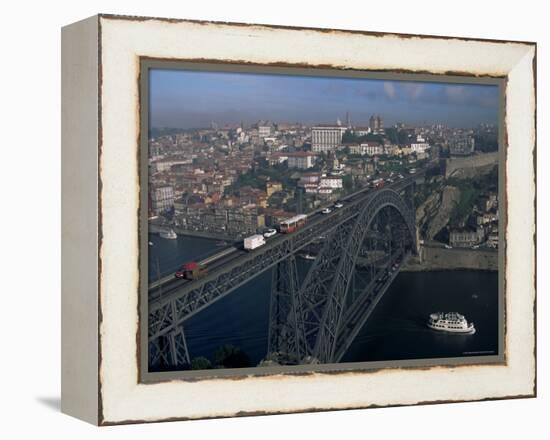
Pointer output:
x,y
262,219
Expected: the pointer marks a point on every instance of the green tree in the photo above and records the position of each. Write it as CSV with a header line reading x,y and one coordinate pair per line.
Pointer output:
x,y
200,363
486,142
229,356
392,135
403,137
349,138
371,137
347,182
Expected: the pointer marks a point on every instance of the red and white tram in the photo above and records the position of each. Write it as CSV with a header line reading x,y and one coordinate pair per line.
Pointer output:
x,y
292,224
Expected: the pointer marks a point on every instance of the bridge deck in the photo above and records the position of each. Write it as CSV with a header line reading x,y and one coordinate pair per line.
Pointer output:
x,y
318,225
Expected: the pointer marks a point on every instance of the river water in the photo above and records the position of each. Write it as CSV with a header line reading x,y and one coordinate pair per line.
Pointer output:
x,y
395,330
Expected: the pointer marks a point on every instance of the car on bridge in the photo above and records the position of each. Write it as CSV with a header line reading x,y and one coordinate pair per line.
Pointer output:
x,y
338,205
326,211
270,233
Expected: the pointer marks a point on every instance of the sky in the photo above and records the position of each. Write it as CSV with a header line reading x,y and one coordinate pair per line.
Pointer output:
x,y
194,99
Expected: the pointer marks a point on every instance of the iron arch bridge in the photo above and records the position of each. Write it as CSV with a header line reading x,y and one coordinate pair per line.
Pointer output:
x,y
315,316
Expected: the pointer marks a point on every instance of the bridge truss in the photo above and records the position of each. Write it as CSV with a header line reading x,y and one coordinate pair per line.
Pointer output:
x,y
313,318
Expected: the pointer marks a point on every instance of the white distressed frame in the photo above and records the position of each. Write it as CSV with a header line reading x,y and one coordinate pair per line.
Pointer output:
x,y
122,41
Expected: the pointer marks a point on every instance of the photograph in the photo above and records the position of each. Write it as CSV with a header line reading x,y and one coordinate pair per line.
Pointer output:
x,y
304,219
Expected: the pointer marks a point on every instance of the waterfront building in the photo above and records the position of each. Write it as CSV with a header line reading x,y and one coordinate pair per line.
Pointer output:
x,y
275,216
492,239
463,238
162,199
218,219
488,217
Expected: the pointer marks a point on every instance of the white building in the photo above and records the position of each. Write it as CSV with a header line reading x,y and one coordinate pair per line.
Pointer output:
x,y
325,190
419,147
326,138
301,160
311,188
166,164
333,182
462,145
277,158
309,178
369,148
356,149
264,131
162,199
492,239
361,131
372,148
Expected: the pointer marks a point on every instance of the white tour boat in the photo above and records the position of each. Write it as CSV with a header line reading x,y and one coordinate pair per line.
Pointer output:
x,y
451,323
169,234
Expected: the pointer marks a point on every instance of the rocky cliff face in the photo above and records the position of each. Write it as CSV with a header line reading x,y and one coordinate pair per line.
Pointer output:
x,y
435,212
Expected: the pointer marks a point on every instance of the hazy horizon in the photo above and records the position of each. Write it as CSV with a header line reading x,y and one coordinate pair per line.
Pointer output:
x,y
194,99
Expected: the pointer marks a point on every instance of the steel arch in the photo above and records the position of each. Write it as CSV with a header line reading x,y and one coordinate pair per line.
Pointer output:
x,y
305,321
321,299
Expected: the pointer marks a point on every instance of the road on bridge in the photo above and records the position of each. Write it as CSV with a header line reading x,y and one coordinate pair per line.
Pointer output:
x,y
234,256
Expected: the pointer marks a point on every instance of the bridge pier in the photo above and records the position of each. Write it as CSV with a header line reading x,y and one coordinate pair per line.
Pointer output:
x,y
285,334
169,351
178,348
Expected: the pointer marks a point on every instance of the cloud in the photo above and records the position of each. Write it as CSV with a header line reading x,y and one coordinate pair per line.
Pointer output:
x,y
403,91
389,89
478,96
456,94
413,90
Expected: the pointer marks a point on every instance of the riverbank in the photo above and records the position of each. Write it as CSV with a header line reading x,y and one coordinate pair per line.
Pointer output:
x,y
439,258
155,229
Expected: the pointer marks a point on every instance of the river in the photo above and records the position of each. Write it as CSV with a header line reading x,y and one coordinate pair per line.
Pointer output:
x,y
395,330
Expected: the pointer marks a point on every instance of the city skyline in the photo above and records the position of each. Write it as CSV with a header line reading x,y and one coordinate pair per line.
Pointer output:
x,y
194,99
